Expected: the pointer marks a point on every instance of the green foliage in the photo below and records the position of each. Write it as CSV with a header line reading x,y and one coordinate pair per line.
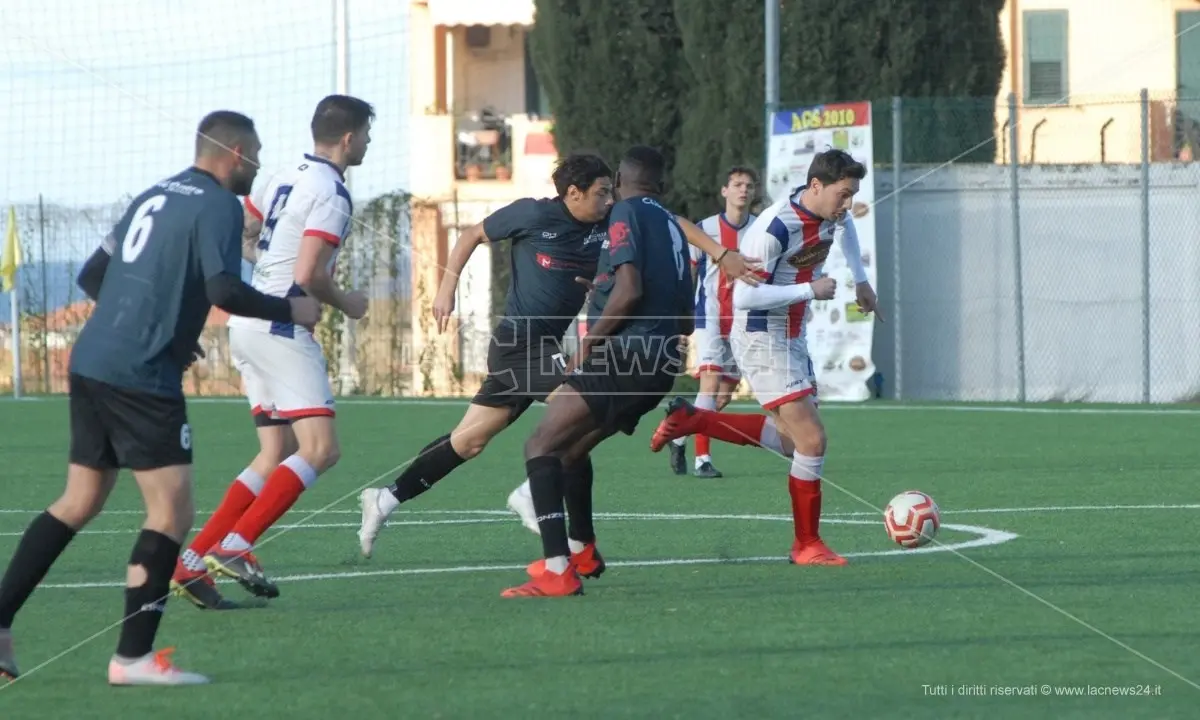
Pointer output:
x,y
870,50
614,73
687,76
723,112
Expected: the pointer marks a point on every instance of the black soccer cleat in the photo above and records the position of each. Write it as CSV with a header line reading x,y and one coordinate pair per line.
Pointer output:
x,y
706,470
678,458
244,568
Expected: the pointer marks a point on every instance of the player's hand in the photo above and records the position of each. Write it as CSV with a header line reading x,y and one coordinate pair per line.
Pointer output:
x,y
306,311
355,304
738,267
443,308
868,302
824,288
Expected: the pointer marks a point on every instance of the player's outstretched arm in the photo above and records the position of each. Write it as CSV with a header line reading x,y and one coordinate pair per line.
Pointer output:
x,y
460,254
733,262
864,293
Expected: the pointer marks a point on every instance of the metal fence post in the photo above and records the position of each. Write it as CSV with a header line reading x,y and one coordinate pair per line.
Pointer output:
x,y
1014,162
897,181
1145,99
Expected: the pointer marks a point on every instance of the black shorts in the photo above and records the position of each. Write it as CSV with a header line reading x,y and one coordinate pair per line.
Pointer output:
x,y
521,370
619,391
114,427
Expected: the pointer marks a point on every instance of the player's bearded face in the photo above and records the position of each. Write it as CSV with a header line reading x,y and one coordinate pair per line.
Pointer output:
x,y
241,180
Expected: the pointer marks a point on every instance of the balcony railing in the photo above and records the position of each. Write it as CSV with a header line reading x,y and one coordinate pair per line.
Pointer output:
x,y
482,146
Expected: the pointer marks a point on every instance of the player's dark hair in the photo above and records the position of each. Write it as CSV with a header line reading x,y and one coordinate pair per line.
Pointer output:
x,y
741,170
834,166
337,115
221,131
580,170
644,167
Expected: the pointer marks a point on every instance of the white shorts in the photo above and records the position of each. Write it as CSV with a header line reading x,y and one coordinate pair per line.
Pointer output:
x,y
283,378
778,370
713,353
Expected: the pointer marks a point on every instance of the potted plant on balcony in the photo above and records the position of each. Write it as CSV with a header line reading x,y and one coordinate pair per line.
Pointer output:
x,y
504,167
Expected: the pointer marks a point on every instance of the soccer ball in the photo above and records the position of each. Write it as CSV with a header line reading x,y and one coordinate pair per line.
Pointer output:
x,y
912,519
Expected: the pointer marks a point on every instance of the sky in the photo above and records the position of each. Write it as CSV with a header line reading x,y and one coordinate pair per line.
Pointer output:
x,y
102,98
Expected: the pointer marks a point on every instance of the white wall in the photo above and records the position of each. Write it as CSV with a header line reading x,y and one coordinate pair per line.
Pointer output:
x,y
1081,256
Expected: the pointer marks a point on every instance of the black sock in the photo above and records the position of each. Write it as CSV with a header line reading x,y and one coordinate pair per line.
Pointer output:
x,y
145,604
435,461
546,485
40,546
577,490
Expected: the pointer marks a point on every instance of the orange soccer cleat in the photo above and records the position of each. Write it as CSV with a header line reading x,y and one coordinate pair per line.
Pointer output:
x,y
814,553
548,584
676,424
587,562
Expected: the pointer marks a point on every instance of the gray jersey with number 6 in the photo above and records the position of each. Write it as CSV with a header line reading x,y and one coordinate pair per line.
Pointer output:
x,y
152,305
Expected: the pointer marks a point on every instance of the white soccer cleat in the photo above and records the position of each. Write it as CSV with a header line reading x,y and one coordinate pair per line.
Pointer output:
x,y
373,518
520,501
153,669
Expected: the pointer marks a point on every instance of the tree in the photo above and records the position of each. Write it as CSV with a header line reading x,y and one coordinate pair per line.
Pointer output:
x,y
944,59
723,112
612,70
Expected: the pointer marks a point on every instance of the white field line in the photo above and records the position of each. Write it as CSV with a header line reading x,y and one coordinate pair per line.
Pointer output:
x,y
985,537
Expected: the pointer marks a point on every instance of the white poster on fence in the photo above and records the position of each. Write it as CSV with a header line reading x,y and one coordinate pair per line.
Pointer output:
x,y
839,336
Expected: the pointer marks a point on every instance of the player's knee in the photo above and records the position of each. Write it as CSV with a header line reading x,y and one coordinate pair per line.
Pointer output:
x,y
323,455
75,509
810,440
723,400
538,445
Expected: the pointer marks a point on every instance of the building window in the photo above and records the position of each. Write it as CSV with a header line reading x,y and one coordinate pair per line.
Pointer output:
x,y
1045,56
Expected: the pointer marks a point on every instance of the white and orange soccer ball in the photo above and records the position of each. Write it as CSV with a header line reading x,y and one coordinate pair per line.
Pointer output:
x,y
912,519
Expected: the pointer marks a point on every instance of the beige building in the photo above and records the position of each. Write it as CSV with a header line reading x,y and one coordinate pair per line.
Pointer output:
x,y
481,139
1077,68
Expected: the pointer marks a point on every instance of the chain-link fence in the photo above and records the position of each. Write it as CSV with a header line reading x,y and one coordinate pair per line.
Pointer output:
x,y
1041,253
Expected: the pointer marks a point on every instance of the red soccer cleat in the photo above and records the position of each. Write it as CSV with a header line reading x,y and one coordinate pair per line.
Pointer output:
x,y
676,424
548,584
588,563
814,553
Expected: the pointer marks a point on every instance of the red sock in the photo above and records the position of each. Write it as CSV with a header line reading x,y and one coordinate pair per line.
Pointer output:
x,y
806,509
735,428
702,445
283,488
237,498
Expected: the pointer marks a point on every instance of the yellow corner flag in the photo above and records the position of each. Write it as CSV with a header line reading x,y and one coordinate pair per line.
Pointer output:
x,y
12,254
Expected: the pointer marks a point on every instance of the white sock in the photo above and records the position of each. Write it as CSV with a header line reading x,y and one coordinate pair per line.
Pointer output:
x,y
701,459
192,560
770,436
386,502
680,441
705,401
576,546
235,543
307,473
252,480
557,565
805,467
